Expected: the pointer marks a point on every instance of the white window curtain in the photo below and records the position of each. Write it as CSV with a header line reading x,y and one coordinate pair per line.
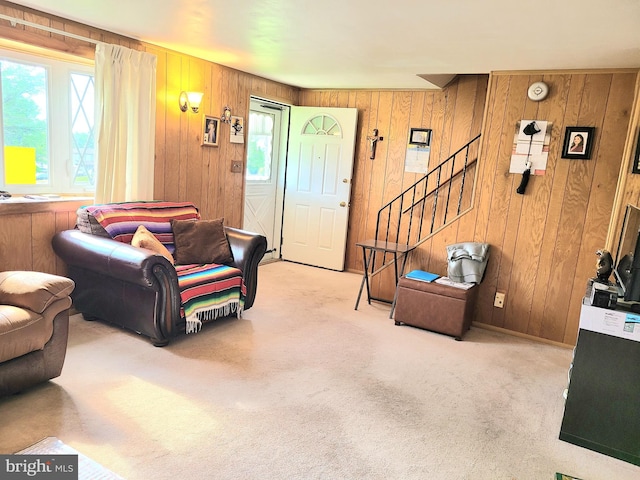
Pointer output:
x,y
125,89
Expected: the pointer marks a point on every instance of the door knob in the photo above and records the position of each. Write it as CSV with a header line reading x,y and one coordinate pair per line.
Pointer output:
x,y
343,204
345,180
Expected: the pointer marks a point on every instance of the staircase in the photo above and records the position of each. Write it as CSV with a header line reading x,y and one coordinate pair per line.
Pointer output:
x,y
412,217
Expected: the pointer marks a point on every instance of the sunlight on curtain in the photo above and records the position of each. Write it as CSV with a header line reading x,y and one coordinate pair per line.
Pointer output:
x,y
125,86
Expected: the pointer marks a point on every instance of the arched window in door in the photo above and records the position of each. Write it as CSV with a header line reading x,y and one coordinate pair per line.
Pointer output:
x,y
322,125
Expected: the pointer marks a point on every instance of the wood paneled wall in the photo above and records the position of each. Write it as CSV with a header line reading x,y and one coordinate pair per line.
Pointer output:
x,y
543,243
26,232
628,183
455,116
184,170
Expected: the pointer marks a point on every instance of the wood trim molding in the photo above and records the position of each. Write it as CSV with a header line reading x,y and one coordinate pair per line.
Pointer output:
x,y
521,335
61,205
586,71
620,199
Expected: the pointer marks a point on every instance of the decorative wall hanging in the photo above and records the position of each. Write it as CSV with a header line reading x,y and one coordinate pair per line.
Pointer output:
x,y
578,142
236,132
418,150
210,131
420,136
530,130
530,148
373,140
226,115
636,160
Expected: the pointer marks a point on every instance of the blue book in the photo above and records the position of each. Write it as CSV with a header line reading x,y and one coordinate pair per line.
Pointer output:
x,y
422,276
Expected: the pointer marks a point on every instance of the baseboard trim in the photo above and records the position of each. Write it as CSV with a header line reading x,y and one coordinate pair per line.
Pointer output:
x,y
521,335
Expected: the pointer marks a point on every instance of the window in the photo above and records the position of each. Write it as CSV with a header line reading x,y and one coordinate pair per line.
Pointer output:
x,y
261,132
46,125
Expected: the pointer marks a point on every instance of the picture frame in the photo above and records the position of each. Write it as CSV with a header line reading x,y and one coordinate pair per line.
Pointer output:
x,y
578,142
236,130
420,136
210,131
636,158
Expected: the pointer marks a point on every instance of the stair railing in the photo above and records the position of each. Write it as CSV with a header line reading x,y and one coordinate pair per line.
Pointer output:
x,y
395,220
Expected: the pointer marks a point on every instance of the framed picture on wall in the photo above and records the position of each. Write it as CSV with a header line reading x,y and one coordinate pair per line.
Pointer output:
x,y
578,142
210,130
636,159
420,136
236,132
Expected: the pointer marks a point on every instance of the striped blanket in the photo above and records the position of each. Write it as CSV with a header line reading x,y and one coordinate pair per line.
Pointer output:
x,y
208,292
121,220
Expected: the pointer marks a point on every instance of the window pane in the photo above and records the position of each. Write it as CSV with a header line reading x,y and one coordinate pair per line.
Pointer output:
x,y
259,146
82,139
24,120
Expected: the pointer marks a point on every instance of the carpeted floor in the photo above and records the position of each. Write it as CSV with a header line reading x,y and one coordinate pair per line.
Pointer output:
x,y
305,387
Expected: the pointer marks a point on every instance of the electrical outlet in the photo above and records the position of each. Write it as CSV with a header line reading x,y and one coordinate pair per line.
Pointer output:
x,y
236,166
499,300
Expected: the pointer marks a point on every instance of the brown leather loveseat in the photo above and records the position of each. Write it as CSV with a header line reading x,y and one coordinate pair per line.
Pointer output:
x,y
136,288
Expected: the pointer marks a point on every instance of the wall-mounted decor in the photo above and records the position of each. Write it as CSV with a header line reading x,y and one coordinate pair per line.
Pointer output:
x,y
373,140
416,159
578,142
420,136
236,132
210,130
226,115
530,150
636,159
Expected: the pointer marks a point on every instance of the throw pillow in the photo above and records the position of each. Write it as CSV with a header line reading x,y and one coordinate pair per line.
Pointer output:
x,y
202,241
143,238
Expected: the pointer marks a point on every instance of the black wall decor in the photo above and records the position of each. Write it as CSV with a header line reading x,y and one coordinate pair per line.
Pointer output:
x,y
578,142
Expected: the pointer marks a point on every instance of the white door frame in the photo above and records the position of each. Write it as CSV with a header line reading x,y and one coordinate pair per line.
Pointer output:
x,y
281,169
318,185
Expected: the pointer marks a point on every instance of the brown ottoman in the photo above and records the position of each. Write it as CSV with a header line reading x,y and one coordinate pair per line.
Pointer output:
x,y
435,307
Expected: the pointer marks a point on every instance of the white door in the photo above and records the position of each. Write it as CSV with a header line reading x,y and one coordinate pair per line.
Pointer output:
x,y
318,185
263,199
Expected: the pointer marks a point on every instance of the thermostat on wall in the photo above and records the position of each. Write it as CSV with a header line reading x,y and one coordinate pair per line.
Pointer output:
x,y
538,91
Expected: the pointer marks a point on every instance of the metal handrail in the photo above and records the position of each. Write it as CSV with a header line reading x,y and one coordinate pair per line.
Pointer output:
x,y
462,172
443,178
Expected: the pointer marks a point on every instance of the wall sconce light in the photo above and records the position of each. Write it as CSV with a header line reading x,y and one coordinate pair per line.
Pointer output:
x,y
190,100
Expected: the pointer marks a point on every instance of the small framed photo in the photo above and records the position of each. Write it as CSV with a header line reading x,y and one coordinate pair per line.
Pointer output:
x,y
236,132
210,130
578,142
636,159
420,136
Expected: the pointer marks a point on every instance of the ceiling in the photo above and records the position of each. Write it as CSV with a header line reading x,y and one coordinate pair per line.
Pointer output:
x,y
377,44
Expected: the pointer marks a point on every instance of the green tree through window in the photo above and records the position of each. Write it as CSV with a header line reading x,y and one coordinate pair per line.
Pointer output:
x,y
47,108
24,111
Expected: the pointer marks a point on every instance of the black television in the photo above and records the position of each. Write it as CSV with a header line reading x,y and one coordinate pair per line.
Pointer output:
x,y
627,260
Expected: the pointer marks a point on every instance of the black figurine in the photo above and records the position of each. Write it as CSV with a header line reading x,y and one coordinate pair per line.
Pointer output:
x,y
604,266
